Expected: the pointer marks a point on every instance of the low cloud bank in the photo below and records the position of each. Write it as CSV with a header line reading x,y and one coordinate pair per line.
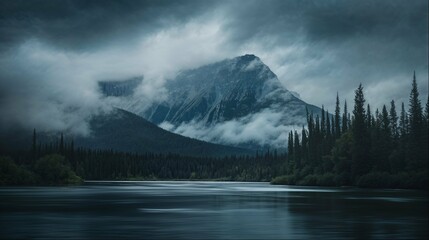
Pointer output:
x,y
263,128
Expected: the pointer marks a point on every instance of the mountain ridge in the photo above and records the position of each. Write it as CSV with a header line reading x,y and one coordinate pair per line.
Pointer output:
x,y
125,131
231,90
122,131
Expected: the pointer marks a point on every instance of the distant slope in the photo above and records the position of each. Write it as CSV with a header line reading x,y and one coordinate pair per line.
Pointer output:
x,y
124,131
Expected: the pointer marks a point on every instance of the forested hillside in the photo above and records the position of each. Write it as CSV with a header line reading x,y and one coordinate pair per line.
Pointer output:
x,y
380,149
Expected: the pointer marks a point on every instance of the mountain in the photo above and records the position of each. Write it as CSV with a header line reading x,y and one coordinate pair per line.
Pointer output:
x,y
121,130
203,102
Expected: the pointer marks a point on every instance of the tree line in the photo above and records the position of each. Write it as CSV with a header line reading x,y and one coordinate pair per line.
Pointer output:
x,y
102,164
380,149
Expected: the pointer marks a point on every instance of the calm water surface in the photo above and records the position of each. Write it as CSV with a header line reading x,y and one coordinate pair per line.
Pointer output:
x,y
210,210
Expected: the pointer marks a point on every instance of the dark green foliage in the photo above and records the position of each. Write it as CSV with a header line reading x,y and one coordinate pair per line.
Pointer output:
x,y
49,170
12,174
393,117
360,164
285,179
53,169
327,179
304,147
416,127
368,117
345,123
297,151
102,165
337,120
374,151
290,153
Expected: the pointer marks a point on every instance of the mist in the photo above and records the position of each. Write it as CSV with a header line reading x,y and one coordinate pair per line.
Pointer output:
x,y
52,55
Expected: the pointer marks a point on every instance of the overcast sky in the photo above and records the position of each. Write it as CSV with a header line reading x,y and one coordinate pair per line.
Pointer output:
x,y
53,52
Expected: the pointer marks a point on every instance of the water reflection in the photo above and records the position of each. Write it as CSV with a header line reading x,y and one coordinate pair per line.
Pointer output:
x,y
210,210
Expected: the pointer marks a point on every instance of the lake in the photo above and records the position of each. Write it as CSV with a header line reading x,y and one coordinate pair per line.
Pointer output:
x,y
210,210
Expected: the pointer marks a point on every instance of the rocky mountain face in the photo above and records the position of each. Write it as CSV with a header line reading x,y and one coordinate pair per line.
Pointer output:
x,y
224,91
237,95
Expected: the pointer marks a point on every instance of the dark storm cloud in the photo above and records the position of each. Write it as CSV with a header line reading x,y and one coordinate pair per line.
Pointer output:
x,y
334,45
90,24
53,52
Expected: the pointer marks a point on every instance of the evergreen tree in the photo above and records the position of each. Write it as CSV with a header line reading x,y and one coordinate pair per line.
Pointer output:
x,y
385,122
328,128
297,151
304,146
416,127
290,154
311,141
345,119
393,121
337,119
403,136
385,142
360,147
426,135
402,122
368,116
317,143
323,124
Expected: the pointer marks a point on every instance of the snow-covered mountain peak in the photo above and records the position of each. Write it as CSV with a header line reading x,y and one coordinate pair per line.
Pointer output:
x,y
241,90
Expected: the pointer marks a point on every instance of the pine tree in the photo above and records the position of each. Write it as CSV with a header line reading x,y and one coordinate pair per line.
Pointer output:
x,y
368,116
402,123
297,151
360,149
311,141
345,119
290,154
317,143
393,121
416,127
323,124
385,122
304,146
386,135
328,128
403,137
426,135
337,118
